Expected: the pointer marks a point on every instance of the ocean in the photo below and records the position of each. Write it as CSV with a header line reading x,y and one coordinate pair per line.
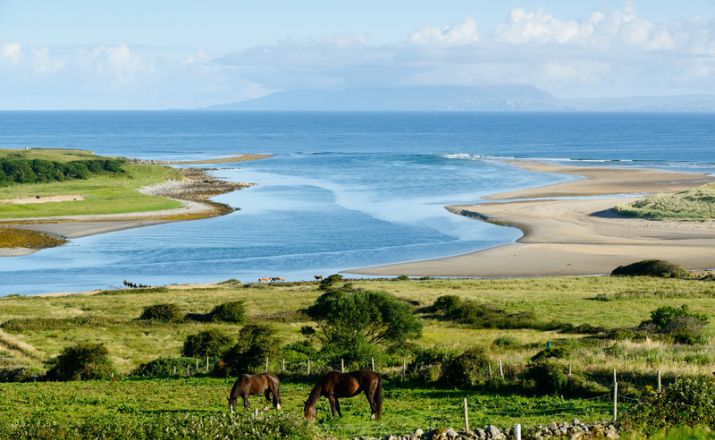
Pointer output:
x,y
342,190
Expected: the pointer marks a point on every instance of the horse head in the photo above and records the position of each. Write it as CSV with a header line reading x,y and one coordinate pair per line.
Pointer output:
x,y
309,410
231,404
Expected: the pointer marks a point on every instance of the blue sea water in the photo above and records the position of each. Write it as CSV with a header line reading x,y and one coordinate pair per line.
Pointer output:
x,y
342,190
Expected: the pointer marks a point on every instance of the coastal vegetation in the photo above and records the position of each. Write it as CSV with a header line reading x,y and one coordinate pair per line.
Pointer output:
x,y
694,204
651,268
513,374
25,238
112,189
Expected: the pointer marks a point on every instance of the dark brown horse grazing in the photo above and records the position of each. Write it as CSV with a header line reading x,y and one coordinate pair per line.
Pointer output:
x,y
335,385
249,385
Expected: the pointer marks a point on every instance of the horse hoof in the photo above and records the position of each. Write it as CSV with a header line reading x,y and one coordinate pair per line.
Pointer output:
x,y
278,406
373,417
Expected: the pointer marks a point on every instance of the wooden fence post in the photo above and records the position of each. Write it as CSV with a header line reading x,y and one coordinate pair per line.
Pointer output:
x,y
569,369
517,431
615,396
404,367
207,364
342,365
660,383
174,370
266,364
373,363
501,370
308,367
466,415
489,365
283,365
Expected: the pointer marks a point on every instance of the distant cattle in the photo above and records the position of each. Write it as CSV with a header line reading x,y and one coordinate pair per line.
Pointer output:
x,y
277,279
267,280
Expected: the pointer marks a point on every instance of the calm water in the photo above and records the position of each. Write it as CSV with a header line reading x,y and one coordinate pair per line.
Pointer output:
x,y
343,190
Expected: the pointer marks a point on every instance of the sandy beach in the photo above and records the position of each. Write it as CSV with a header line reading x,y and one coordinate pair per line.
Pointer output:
x,y
577,236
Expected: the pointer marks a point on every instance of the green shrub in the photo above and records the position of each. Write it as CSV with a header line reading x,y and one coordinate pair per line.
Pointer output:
x,y
428,364
207,343
330,281
468,369
651,268
162,313
234,312
546,377
506,342
256,342
273,425
165,367
551,353
402,278
81,362
689,401
682,325
16,374
447,304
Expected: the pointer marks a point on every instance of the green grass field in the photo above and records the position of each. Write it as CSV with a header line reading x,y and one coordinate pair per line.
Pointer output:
x,y
103,194
406,406
44,329
695,204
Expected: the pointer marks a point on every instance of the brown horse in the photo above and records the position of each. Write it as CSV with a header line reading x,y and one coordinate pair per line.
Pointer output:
x,y
249,385
335,385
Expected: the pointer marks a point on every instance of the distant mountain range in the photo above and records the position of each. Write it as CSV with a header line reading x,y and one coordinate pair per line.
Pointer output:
x,y
496,98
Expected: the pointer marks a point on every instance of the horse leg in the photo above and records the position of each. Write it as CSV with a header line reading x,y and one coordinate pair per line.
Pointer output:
x,y
332,400
245,401
275,390
370,394
268,393
337,407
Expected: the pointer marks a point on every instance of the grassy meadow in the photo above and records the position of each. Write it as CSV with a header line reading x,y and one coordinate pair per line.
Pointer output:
x,y
102,194
37,328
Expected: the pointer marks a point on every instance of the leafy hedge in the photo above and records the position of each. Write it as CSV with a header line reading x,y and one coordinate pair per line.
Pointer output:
x,y
269,426
20,170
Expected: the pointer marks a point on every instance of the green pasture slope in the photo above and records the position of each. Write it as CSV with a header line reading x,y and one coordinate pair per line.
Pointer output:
x,y
34,329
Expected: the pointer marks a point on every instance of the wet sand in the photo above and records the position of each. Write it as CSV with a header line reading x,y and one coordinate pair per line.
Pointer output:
x,y
578,236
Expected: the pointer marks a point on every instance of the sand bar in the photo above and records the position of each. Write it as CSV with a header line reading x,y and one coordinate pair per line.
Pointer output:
x,y
578,236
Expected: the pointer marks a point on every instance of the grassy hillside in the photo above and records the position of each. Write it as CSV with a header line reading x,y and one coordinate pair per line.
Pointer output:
x,y
103,193
35,329
46,323
695,204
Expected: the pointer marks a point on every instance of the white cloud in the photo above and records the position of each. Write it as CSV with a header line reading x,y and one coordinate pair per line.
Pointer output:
x,y
606,53
466,32
12,52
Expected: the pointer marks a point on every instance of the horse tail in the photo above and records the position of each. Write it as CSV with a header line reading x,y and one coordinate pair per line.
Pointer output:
x,y
378,398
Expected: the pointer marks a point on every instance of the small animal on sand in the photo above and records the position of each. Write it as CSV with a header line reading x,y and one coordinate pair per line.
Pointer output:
x,y
250,385
335,385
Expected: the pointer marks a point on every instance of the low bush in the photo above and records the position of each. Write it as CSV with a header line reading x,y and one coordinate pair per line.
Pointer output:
x,y
506,342
273,425
81,362
651,268
16,374
165,367
688,401
330,281
547,376
233,312
428,363
468,369
551,353
207,343
682,325
162,313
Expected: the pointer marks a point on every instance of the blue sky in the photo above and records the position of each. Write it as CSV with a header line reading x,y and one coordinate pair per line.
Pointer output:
x,y
163,54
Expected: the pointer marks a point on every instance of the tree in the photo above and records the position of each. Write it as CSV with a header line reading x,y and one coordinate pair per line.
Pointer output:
x,y
351,317
256,342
